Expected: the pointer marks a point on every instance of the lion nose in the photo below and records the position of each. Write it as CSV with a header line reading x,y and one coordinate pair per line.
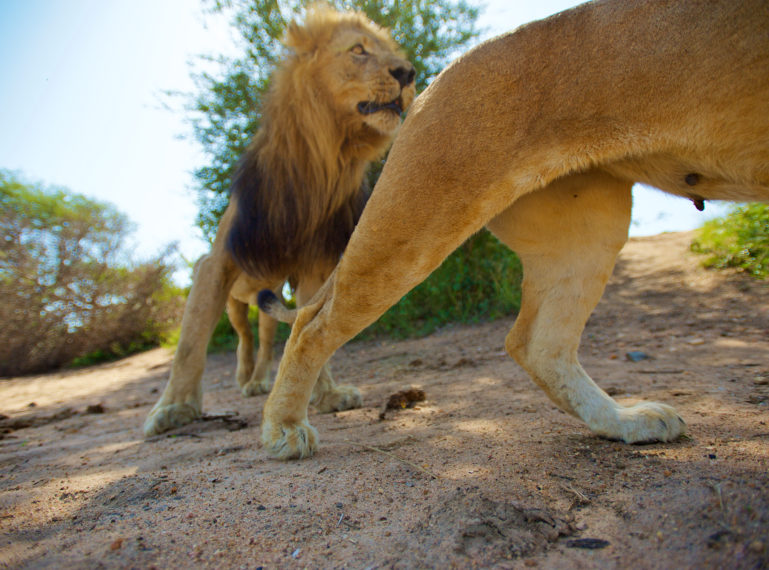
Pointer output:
x,y
404,74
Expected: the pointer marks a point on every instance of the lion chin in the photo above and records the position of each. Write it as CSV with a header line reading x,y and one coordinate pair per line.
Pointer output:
x,y
383,117
334,105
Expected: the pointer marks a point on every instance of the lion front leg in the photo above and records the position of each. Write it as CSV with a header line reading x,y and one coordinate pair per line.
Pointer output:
x,y
568,236
304,377
286,431
182,399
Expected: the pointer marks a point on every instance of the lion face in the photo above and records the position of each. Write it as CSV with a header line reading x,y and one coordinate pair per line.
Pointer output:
x,y
372,82
363,75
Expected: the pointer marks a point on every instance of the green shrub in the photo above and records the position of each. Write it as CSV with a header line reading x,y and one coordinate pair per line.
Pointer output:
x,y
480,281
740,240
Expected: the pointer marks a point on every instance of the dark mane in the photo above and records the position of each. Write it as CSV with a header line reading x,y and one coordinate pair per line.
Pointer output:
x,y
269,236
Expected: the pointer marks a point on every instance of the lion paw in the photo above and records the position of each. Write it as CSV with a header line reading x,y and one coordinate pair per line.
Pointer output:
x,y
166,417
243,375
649,421
340,398
254,387
289,440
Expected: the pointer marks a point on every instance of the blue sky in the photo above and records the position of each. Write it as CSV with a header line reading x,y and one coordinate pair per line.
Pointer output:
x,y
82,105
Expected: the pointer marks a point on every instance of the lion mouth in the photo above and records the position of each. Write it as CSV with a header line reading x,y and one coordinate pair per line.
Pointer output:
x,y
371,107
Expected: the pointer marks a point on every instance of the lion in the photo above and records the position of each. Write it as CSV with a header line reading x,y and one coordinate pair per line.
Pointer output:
x,y
334,105
539,135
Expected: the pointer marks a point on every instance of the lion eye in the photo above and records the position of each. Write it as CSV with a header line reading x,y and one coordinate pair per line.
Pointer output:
x,y
358,49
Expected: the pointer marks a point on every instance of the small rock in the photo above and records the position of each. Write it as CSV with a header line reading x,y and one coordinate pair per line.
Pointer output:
x,y
636,356
116,544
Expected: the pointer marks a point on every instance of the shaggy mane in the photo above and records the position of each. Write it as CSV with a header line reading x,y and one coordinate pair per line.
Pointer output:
x,y
300,185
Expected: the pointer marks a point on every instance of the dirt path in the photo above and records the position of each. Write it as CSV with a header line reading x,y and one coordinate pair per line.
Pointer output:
x,y
485,473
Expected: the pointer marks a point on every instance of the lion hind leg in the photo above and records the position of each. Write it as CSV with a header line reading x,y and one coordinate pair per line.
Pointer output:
x,y
237,311
260,381
253,377
568,236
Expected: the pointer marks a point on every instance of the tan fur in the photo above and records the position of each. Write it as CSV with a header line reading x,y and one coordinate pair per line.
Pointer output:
x,y
540,135
297,195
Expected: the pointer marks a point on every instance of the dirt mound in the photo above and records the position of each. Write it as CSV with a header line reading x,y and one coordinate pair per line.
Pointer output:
x,y
485,471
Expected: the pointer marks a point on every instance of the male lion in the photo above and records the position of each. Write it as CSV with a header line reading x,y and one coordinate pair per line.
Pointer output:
x,y
539,135
334,105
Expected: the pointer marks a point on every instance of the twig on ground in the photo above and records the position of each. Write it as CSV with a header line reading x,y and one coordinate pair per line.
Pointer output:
x,y
378,450
581,497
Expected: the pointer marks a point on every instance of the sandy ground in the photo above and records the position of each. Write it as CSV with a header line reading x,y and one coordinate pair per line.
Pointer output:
x,y
485,472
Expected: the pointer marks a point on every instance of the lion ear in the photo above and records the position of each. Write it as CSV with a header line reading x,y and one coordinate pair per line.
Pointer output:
x,y
297,38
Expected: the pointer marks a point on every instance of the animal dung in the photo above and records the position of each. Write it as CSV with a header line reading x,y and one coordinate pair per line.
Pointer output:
x,y
402,400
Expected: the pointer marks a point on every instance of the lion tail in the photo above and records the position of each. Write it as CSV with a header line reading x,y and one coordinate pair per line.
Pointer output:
x,y
272,305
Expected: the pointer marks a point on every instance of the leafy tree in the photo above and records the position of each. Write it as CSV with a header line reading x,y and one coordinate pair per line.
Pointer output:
x,y
225,110
66,289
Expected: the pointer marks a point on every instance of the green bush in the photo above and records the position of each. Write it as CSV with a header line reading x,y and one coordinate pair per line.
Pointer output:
x,y
480,281
739,240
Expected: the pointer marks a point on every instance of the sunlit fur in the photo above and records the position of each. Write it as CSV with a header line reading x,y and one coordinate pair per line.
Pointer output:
x,y
539,135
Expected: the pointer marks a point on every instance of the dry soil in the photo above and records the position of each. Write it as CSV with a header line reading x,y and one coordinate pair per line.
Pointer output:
x,y
485,472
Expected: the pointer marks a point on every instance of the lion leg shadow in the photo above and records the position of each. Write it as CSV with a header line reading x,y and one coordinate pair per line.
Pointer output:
x,y
568,236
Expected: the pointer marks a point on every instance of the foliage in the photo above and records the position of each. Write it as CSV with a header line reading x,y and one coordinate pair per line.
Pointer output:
x,y
479,281
65,291
224,337
225,111
740,239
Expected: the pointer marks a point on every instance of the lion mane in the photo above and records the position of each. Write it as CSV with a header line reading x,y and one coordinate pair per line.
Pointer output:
x,y
300,187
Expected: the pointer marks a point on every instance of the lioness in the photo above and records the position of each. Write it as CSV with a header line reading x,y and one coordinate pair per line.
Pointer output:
x,y
539,135
334,105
